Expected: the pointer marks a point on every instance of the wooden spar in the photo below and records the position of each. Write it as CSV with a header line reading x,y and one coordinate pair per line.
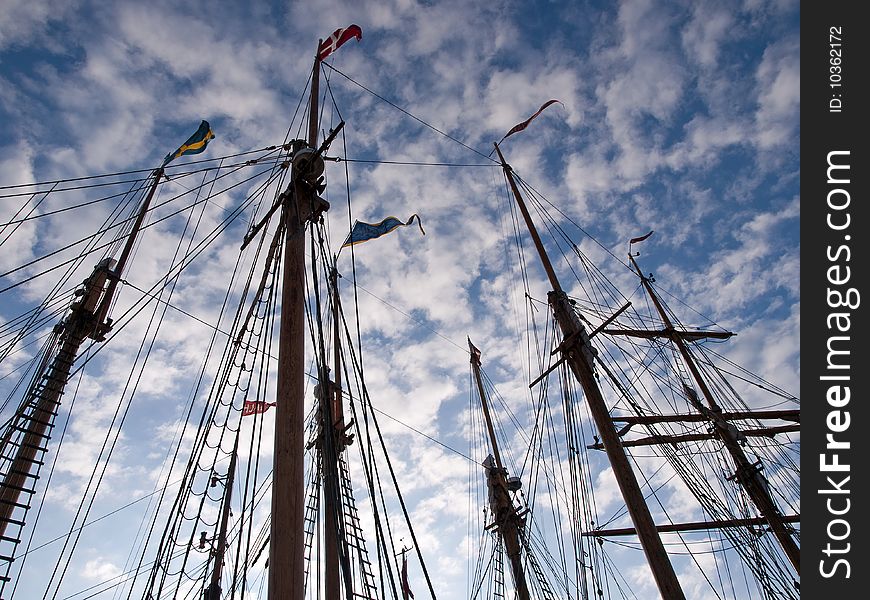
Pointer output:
x,y
747,474
698,526
507,521
696,437
785,415
286,551
631,421
213,591
580,359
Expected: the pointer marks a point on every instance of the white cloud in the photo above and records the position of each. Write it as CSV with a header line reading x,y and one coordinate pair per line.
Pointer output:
x,y
98,569
778,79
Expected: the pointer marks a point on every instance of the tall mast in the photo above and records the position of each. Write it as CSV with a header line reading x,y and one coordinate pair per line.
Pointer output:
x,y
579,354
299,204
43,403
333,442
747,473
508,522
213,591
87,319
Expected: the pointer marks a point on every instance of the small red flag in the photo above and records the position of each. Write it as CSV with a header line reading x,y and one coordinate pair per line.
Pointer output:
x,y
339,37
520,126
639,239
406,589
252,407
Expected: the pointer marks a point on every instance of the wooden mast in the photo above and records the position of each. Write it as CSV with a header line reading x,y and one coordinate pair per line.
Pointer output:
x,y
213,591
115,275
86,319
579,355
507,521
747,474
44,402
286,551
332,416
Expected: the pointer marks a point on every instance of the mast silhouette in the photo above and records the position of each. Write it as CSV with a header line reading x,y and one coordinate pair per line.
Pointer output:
x,y
213,591
508,523
333,440
579,354
299,204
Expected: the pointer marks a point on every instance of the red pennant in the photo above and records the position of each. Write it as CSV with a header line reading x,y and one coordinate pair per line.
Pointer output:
x,y
520,126
252,407
639,239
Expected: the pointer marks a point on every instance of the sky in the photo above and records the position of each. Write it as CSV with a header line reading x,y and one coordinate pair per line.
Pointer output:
x,y
677,117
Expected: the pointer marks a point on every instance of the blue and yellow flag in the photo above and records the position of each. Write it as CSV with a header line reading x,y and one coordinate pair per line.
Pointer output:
x,y
194,144
363,232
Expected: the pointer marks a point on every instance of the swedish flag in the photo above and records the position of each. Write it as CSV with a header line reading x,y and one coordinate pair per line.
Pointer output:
x,y
194,144
363,232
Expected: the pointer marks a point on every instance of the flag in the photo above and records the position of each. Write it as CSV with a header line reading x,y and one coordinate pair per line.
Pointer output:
x,y
252,407
475,353
639,239
335,41
363,232
194,144
406,589
520,126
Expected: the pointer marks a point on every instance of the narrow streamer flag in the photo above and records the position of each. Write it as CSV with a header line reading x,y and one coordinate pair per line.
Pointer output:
x,y
639,239
335,41
252,407
406,589
363,232
520,126
194,144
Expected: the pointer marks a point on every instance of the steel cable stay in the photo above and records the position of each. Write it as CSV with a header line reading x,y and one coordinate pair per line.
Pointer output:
x,y
123,223
25,320
169,288
400,422
367,427
175,270
31,209
210,417
37,313
176,170
165,280
409,114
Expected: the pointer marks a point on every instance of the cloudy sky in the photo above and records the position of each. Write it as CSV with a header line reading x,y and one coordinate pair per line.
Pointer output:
x,y
678,117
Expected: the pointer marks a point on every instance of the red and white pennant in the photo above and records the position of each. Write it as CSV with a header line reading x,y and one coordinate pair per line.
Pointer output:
x,y
339,37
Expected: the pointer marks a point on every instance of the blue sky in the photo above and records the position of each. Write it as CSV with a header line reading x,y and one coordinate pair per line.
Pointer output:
x,y
678,117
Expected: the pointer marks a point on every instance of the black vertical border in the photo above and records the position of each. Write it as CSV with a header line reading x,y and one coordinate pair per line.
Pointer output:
x,y
824,131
